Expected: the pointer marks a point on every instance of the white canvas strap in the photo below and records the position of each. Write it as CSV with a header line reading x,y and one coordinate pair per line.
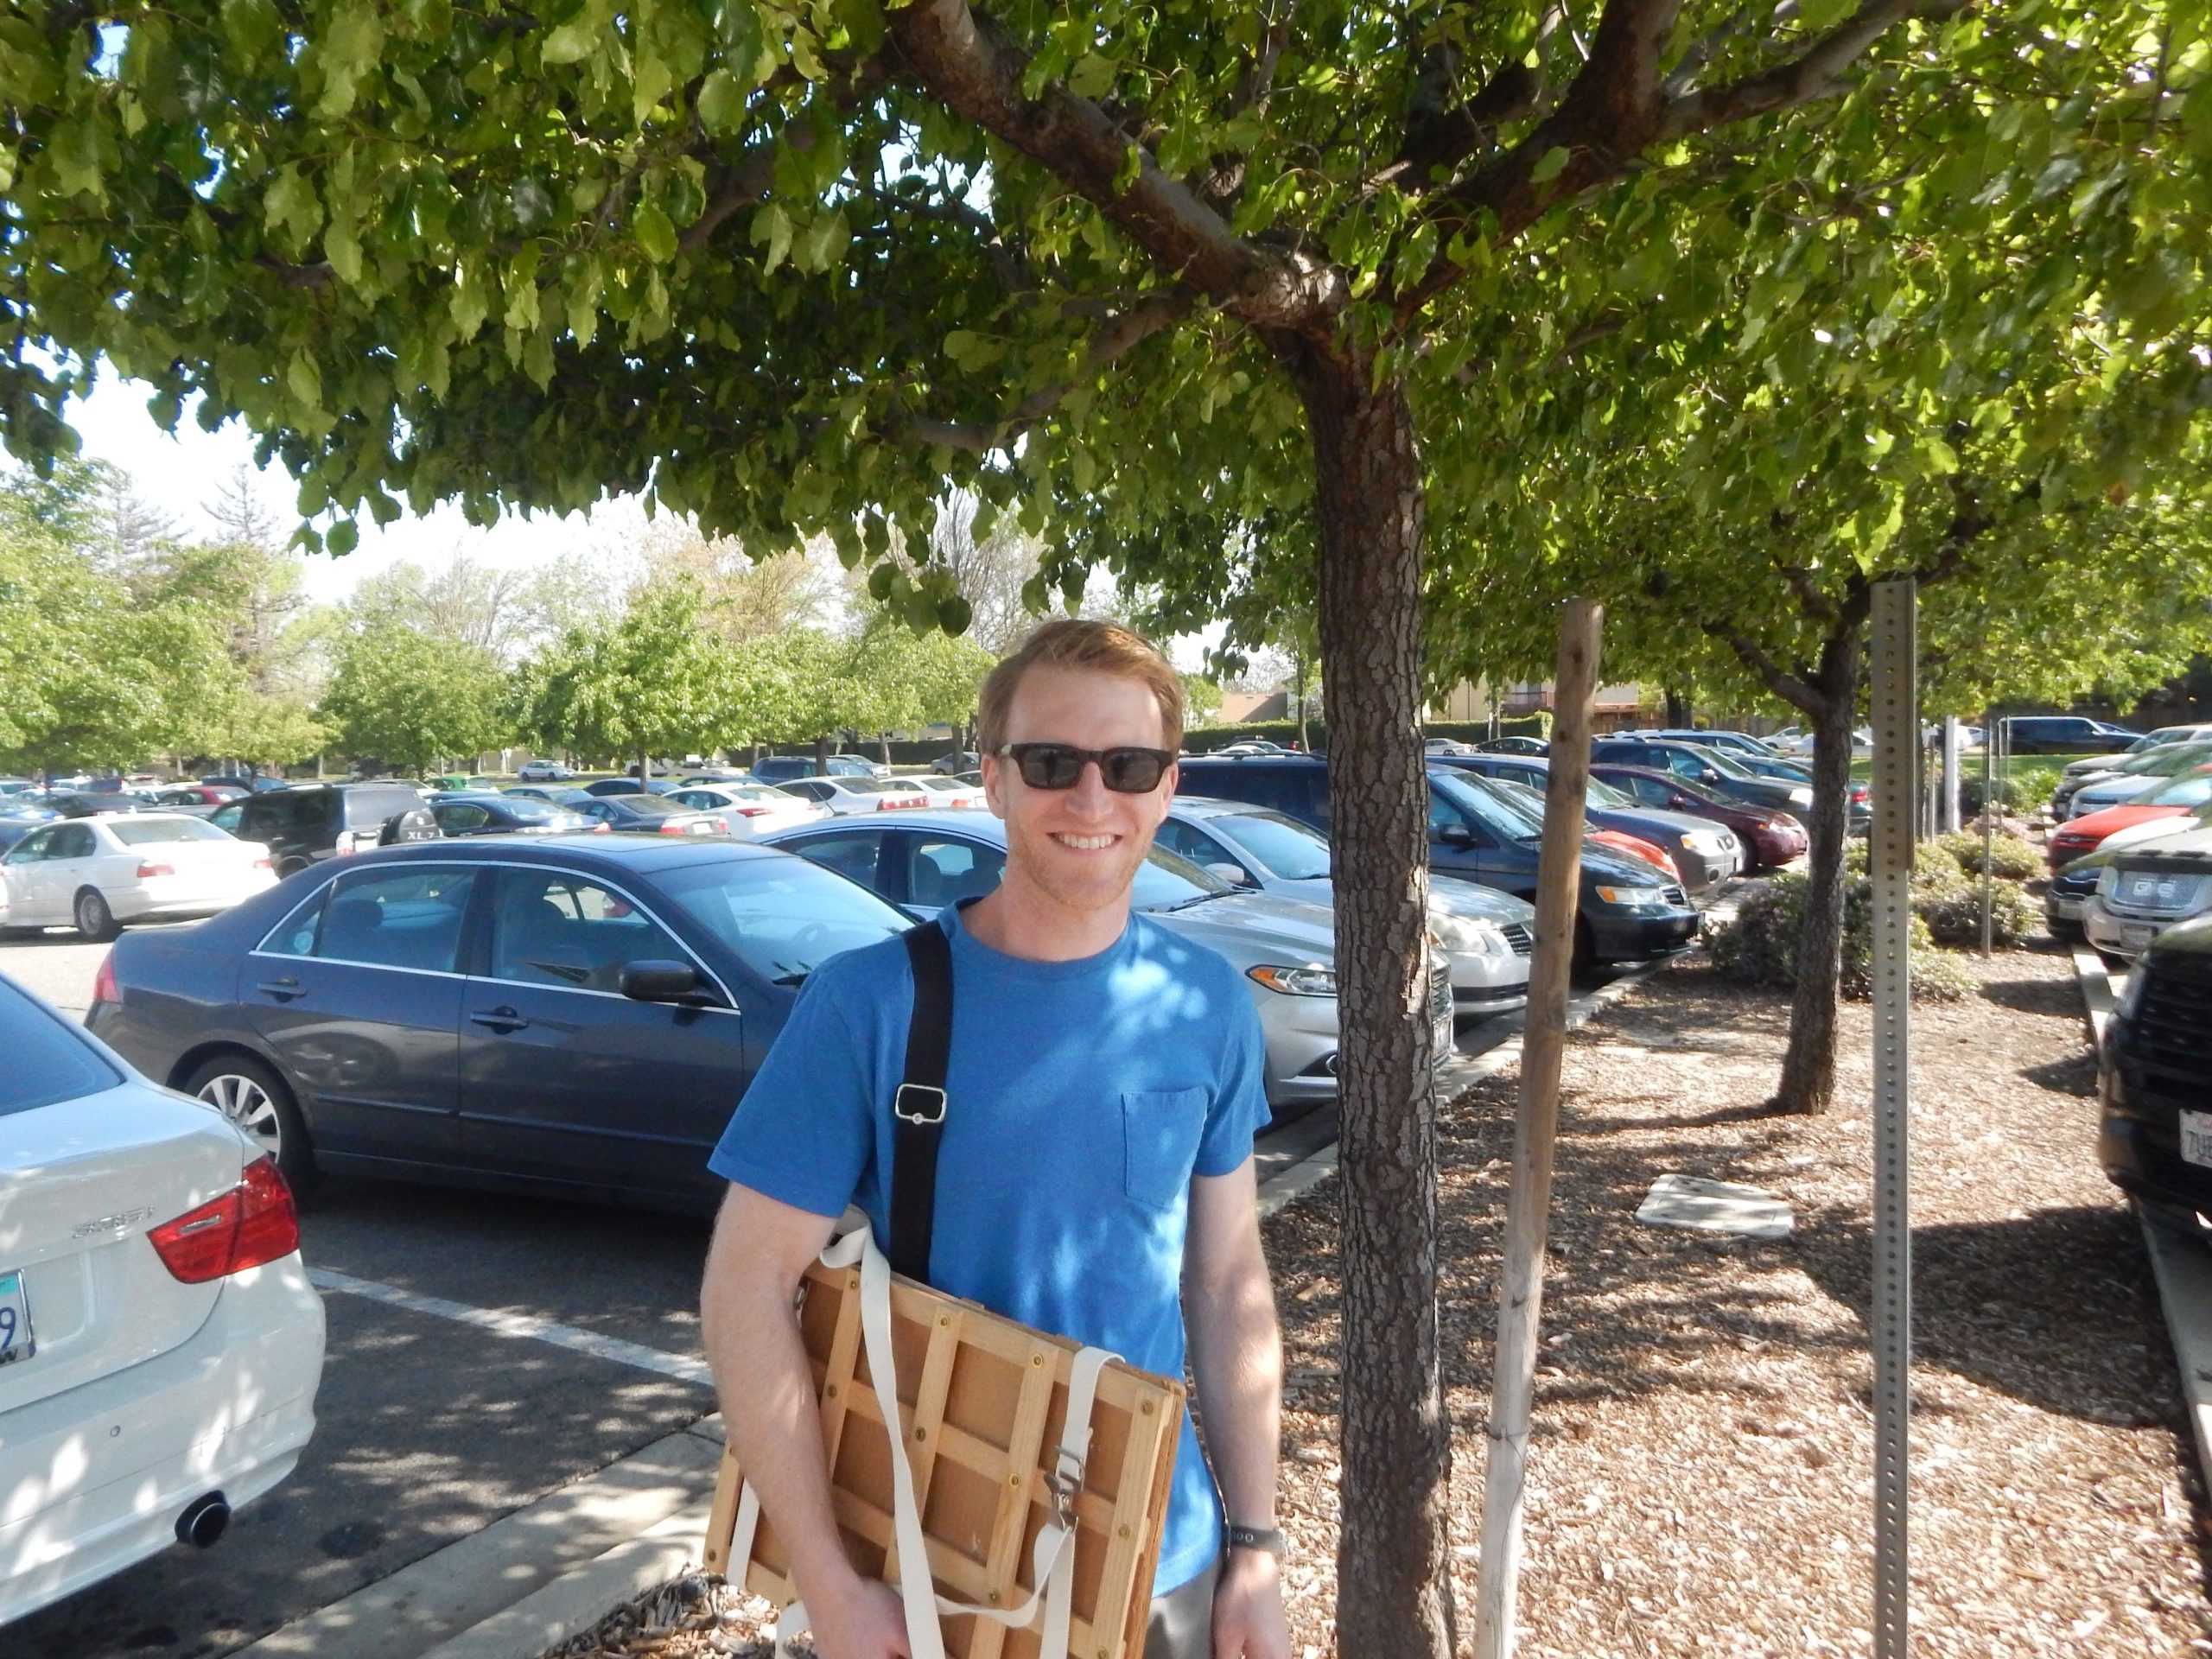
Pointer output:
x,y
1053,1558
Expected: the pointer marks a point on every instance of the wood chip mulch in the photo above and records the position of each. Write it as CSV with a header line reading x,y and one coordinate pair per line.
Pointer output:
x,y
1701,1471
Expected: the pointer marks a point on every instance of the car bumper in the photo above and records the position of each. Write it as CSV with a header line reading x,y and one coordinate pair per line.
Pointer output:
x,y
1615,937
1780,845
1701,872
2144,1158
164,902
2122,936
93,1479
2063,907
1303,1041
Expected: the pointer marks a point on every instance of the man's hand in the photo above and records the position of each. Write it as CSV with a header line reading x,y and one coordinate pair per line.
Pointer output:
x,y
867,1620
1248,1618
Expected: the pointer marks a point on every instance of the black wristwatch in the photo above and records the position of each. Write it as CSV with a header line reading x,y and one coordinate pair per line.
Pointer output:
x,y
1268,1538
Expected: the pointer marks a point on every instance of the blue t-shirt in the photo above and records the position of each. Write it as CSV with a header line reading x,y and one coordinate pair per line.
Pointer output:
x,y
1081,1098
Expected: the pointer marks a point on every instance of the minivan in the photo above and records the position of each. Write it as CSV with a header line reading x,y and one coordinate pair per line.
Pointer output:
x,y
307,823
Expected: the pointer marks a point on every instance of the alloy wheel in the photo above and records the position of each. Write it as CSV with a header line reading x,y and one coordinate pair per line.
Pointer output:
x,y
247,1104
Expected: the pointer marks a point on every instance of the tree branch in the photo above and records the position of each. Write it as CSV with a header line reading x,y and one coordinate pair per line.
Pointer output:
x,y
1813,75
966,61
742,183
1793,689
1119,336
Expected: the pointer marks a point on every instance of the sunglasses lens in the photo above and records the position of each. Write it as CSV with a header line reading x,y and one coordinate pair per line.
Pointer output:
x,y
1049,766
1130,771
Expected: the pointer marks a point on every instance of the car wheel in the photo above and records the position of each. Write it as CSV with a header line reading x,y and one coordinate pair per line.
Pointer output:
x,y
1586,948
95,921
255,1098
2064,933
290,866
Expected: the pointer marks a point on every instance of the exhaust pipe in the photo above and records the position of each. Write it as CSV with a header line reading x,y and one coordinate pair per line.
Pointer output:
x,y
204,1521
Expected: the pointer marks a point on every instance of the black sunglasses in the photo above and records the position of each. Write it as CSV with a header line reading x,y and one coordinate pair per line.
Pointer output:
x,y
1059,765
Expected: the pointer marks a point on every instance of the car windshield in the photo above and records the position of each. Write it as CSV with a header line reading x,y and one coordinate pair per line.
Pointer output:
x,y
1167,880
1491,808
782,917
153,831
646,806
2183,791
523,809
46,1062
854,784
1294,851
1725,764
1604,795
2167,757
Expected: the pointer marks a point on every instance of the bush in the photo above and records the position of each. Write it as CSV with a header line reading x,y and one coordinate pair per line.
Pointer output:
x,y
2012,859
2026,791
1760,946
1954,915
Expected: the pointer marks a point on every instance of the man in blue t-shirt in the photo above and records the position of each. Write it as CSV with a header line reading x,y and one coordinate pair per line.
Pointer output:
x,y
1094,1173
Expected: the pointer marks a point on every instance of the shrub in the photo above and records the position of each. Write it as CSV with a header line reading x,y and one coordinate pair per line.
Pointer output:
x,y
1760,946
2012,859
1953,915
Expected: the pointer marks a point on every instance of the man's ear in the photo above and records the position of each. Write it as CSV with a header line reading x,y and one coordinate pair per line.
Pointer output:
x,y
993,785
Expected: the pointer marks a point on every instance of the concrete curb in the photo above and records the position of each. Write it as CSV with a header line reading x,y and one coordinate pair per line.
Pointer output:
x,y
2096,991
2183,1269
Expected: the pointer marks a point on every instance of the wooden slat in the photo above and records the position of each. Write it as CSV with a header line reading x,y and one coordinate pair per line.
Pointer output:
x,y
722,1521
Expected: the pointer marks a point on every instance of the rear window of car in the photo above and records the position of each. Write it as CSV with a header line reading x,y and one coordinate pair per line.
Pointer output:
x,y
649,806
365,807
46,1062
523,809
151,832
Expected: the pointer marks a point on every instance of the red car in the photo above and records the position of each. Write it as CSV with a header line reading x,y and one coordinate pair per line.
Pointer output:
x,y
2176,798
1770,837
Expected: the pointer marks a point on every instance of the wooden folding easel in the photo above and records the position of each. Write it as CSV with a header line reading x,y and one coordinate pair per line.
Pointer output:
x,y
982,1400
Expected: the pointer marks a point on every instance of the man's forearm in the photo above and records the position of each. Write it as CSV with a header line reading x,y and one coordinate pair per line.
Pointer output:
x,y
1236,1358
769,1414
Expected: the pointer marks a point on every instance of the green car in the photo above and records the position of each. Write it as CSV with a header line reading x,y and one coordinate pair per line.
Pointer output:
x,y
461,780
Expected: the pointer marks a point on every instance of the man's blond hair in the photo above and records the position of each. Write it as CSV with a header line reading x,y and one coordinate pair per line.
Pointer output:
x,y
1071,642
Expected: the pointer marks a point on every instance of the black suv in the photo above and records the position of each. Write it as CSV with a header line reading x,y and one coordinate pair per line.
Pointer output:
x,y
2155,1139
2066,734
1628,910
309,823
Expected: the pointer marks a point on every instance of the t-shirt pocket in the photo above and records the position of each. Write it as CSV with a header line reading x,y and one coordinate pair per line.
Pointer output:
x,y
1160,1129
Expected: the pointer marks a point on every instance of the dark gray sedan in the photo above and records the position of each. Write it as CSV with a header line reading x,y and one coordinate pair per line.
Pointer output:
x,y
573,1014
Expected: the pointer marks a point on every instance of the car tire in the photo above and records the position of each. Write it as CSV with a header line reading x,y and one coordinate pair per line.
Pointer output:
x,y
288,867
95,922
1585,949
249,1092
2064,933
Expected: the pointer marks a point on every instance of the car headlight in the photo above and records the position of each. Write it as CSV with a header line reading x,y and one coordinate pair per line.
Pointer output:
x,y
1801,798
1633,898
2130,993
1310,979
2108,880
1705,845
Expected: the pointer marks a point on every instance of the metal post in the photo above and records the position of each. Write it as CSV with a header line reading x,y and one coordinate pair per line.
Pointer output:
x,y
1527,1209
1897,747
1988,830
1947,806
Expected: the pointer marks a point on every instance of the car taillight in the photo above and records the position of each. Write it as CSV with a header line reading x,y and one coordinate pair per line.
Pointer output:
x,y
670,827
1858,791
104,986
600,828
250,1226
147,872
265,863
755,811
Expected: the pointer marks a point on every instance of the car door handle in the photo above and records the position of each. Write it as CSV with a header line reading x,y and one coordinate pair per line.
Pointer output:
x,y
500,1019
283,990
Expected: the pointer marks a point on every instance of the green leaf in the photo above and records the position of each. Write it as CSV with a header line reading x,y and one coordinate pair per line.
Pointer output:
x,y
654,233
305,380
572,40
341,538
771,227
1549,165
1941,457
1093,76
954,614
252,27
722,102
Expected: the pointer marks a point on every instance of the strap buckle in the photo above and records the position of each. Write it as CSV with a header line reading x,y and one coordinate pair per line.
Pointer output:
x,y
1064,1480
928,1103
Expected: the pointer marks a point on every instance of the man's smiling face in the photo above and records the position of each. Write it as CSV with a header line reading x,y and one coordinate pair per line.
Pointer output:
x,y
1078,848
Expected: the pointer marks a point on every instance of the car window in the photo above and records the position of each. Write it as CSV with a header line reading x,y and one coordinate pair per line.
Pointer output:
x,y
47,1063
782,917
459,817
365,808
150,832
806,788
944,871
2187,792
1290,849
404,917
294,935
853,853
73,840
226,818
1191,843
550,927
698,800
32,848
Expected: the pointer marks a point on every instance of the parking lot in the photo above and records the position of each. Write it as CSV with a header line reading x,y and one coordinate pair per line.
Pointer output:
x,y
484,1352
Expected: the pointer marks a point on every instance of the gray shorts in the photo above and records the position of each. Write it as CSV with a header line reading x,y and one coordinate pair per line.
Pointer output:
x,y
1182,1620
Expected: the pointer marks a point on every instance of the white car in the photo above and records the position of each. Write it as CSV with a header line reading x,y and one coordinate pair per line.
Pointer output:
x,y
2147,889
160,1343
542,771
951,791
848,796
98,873
750,809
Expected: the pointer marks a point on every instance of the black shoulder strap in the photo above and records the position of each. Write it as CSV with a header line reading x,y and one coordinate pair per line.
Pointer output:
x,y
918,1108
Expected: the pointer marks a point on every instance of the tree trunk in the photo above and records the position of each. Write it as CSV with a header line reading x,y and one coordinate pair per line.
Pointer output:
x,y
821,755
1394,1593
1808,1083
883,741
645,770
1678,708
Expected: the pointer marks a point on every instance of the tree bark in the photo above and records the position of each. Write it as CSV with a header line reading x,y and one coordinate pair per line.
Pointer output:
x,y
821,755
1678,708
1393,1584
1808,1084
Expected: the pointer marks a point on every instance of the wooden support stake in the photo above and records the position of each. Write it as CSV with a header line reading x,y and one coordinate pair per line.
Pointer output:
x,y
1521,1287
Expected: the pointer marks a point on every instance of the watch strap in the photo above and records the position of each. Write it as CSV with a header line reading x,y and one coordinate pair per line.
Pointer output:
x,y
1270,1539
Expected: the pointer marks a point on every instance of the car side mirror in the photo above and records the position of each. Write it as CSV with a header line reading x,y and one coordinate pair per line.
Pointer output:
x,y
1235,874
1456,835
661,981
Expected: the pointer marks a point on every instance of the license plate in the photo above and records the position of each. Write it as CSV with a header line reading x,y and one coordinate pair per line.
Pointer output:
x,y
16,1341
2196,1139
2137,935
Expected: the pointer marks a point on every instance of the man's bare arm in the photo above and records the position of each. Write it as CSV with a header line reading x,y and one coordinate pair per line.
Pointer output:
x,y
761,1249
1237,1361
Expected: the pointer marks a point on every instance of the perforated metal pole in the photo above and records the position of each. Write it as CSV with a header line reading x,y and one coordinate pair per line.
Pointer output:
x,y
1988,828
1897,752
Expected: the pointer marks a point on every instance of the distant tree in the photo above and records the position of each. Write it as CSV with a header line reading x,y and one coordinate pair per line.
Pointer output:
x,y
1201,697
652,681
403,695
992,571
136,530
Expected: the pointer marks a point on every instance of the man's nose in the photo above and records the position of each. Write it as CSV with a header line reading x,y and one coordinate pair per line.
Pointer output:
x,y
1090,794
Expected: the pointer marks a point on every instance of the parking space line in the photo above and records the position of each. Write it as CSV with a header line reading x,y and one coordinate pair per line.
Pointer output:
x,y
527,1325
